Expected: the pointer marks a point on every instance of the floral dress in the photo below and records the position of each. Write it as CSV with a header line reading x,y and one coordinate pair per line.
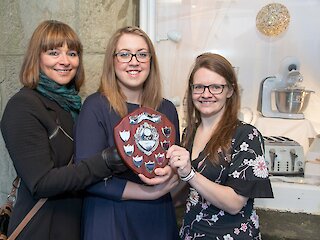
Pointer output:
x,y
244,170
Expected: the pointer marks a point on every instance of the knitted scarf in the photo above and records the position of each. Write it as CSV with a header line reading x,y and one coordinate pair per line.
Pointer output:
x,y
66,97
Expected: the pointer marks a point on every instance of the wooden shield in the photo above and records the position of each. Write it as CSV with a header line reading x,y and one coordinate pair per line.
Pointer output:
x,y
142,139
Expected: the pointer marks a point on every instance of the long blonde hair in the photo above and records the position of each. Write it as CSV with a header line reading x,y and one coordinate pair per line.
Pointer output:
x,y
222,136
109,87
50,34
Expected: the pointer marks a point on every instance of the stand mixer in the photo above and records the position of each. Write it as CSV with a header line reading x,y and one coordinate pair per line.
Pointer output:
x,y
281,96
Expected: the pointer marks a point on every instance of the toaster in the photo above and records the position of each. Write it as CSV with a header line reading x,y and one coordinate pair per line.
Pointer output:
x,y
283,156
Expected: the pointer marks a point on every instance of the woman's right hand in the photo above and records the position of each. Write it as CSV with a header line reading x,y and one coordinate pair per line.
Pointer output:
x,y
135,191
162,175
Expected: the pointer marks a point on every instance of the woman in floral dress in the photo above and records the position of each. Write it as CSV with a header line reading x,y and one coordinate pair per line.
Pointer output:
x,y
222,158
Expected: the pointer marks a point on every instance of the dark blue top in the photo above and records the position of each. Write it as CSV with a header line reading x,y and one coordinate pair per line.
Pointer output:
x,y
105,215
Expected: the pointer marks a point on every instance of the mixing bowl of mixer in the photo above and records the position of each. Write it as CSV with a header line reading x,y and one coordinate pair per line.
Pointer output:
x,y
292,100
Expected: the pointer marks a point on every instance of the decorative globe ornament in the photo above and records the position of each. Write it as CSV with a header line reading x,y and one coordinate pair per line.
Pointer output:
x,y
273,19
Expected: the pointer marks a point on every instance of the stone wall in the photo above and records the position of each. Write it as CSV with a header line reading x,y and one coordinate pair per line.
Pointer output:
x,y
93,20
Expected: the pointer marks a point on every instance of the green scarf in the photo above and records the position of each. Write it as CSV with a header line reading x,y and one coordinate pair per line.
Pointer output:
x,y
66,97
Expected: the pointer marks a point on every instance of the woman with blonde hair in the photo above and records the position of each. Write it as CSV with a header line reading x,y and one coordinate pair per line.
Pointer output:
x,y
123,207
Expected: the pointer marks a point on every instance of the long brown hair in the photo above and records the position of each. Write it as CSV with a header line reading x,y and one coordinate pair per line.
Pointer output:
x,y
152,89
222,135
50,34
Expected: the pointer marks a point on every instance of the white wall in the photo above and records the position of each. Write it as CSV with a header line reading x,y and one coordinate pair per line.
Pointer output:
x,y
228,27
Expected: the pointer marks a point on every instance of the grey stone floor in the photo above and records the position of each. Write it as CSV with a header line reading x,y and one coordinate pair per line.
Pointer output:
x,y
276,225
289,226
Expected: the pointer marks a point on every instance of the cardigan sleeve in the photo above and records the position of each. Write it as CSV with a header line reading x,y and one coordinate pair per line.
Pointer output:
x,y
93,133
41,160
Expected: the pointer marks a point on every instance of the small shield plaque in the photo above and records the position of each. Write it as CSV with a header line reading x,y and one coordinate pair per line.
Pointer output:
x,y
142,139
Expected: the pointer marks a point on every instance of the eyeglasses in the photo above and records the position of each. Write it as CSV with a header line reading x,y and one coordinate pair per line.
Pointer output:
x,y
213,88
126,57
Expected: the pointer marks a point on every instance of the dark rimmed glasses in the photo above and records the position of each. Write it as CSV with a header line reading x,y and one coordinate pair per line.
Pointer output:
x,y
125,57
213,88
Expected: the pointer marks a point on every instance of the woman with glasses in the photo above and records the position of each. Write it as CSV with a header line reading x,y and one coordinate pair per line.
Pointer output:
x,y
122,207
223,158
